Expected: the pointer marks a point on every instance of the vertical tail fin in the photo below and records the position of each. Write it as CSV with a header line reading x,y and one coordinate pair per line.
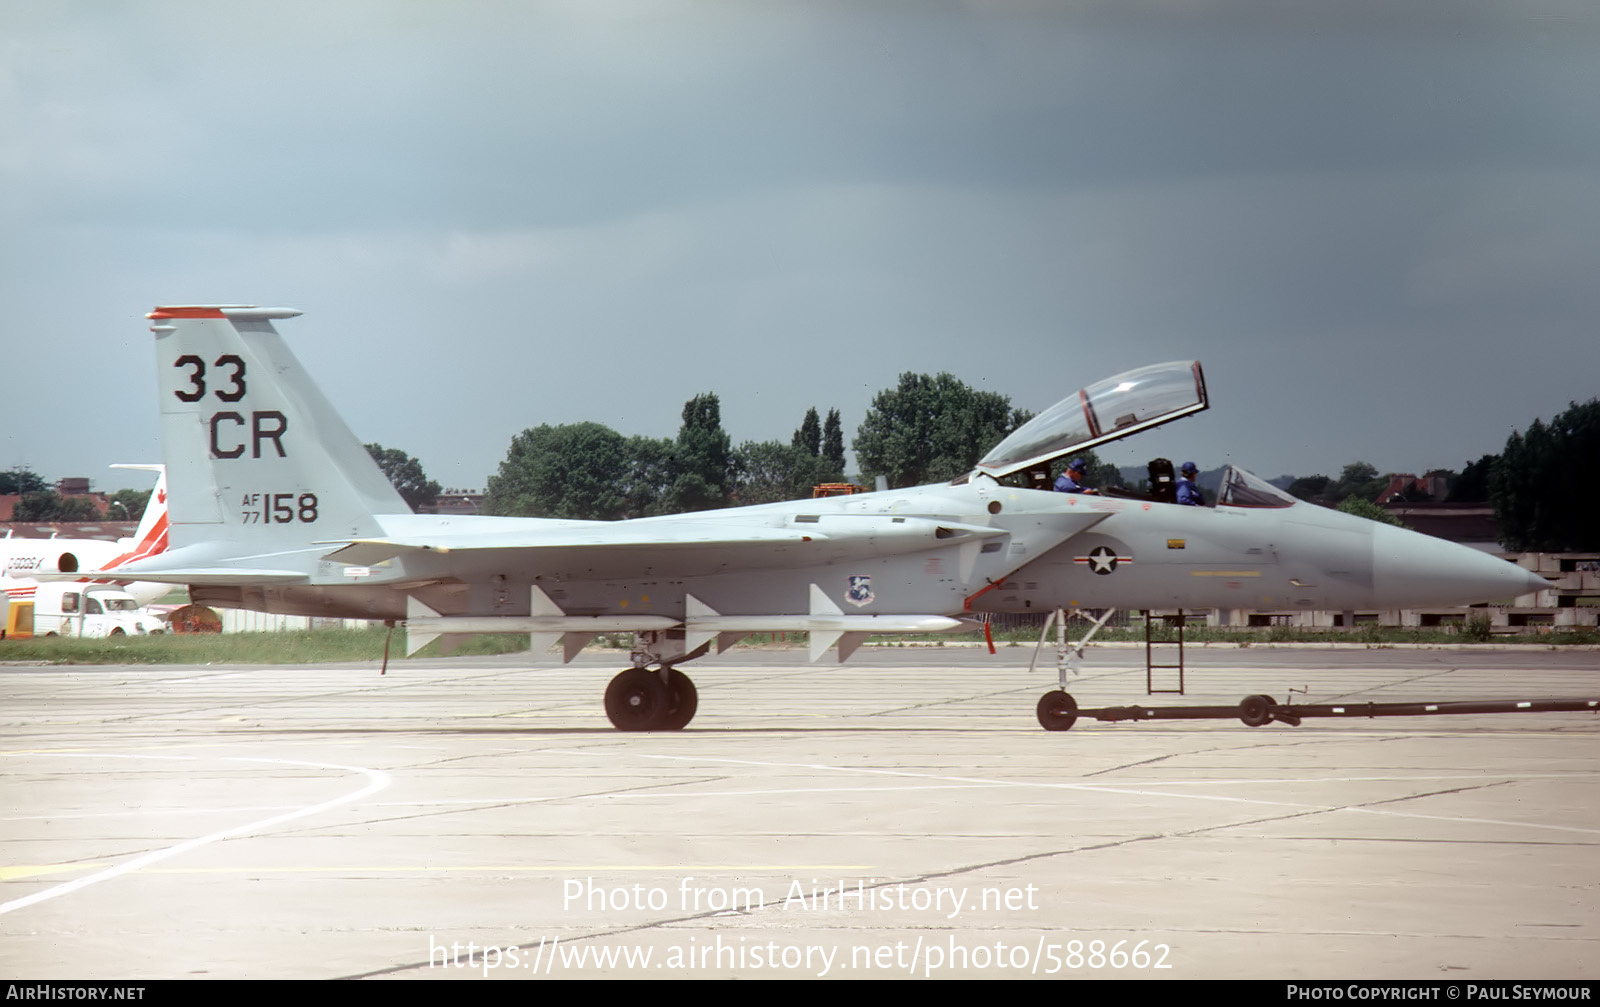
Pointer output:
x,y
151,536
255,453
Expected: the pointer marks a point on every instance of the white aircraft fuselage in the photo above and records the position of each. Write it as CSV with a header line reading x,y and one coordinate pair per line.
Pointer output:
x,y
275,506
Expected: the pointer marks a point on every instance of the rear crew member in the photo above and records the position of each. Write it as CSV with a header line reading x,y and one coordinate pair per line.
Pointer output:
x,y
1188,492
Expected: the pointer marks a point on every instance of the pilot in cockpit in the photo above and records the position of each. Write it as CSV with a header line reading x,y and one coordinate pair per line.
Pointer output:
x,y
1188,492
1071,481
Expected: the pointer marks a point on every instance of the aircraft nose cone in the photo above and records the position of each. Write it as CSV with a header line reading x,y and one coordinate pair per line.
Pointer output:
x,y
1424,570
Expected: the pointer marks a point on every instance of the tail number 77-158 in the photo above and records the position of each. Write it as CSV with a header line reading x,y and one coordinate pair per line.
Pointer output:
x,y
278,508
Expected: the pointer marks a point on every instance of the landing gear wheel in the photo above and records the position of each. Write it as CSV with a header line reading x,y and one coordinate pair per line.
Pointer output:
x,y
1256,711
636,700
682,700
1058,711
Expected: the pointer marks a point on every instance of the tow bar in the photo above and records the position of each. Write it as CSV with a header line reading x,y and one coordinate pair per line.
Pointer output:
x,y
1058,711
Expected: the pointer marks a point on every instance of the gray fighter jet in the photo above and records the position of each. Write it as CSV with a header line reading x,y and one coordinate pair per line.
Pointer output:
x,y
275,506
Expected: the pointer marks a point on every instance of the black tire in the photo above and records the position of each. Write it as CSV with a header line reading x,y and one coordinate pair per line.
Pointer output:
x,y
1057,710
636,700
682,701
117,631
1256,711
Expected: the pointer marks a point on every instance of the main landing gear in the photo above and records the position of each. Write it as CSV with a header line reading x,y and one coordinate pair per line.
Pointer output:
x,y
643,700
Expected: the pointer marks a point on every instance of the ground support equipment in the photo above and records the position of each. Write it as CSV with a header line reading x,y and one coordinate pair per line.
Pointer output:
x,y
1058,711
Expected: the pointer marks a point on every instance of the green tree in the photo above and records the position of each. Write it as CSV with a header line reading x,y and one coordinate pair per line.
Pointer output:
x,y
1472,485
1358,479
767,471
127,505
809,436
646,476
833,443
18,481
48,505
929,430
1362,507
1313,489
1547,481
406,476
577,471
700,465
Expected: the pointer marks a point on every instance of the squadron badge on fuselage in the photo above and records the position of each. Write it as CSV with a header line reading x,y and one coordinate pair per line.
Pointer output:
x,y
860,591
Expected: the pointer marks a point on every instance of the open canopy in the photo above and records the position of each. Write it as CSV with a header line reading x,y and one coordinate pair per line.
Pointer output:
x,y
1103,412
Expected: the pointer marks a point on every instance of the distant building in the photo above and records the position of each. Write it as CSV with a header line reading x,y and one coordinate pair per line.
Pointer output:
x,y
454,501
105,531
1433,486
71,486
1470,524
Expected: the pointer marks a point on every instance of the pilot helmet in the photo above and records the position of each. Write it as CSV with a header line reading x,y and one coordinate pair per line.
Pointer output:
x,y
1188,469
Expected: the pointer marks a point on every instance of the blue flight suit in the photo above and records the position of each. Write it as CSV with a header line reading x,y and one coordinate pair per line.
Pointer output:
x,y
1065,484
1189,493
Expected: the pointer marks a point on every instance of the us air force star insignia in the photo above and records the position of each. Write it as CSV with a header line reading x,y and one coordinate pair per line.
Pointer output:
x,y
1103,560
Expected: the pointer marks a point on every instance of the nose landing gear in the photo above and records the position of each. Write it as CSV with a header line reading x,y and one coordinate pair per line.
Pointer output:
x,y
1058,711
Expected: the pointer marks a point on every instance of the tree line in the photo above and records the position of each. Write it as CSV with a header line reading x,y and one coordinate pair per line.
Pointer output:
x,y
1543,485
38,501
926,429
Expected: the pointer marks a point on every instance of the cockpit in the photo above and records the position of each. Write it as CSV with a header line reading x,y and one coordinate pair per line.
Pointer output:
x,y
1110,410
1103,412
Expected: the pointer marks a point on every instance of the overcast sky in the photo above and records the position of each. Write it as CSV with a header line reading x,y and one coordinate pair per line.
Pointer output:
x,y
1377,224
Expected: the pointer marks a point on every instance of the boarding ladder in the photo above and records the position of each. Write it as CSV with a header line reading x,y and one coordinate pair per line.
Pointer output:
x,y
1163,651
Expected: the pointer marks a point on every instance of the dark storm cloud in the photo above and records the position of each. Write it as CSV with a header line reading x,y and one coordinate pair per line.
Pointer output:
x,y
550,212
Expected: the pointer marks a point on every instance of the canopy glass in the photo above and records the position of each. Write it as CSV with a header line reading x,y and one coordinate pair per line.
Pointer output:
x,y
1103,412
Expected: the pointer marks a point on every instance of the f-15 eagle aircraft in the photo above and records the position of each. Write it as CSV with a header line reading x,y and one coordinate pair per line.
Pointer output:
x,y
276,506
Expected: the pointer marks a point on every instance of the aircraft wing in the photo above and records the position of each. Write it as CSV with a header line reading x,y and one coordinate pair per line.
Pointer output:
x,y
690,547
647,547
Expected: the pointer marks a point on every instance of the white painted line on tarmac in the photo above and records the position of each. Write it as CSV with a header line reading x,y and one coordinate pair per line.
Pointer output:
x,y
376,781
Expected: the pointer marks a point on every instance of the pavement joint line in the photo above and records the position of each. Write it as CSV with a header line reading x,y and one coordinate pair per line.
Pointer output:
x,y
1096,788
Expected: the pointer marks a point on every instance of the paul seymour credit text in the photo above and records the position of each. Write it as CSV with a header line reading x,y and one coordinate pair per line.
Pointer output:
x,y
1016,952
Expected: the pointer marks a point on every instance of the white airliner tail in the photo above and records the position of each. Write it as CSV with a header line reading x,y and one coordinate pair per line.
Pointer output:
x,y
150,538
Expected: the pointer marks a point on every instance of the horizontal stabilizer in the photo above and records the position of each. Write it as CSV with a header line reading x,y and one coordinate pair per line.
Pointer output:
x,y
205,576
371,552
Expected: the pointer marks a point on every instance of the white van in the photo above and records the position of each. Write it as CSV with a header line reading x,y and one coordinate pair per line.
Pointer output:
x,y
77,609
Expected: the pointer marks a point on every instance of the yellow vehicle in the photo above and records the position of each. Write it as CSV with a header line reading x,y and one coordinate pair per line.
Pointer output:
x,y
19,621
835,490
